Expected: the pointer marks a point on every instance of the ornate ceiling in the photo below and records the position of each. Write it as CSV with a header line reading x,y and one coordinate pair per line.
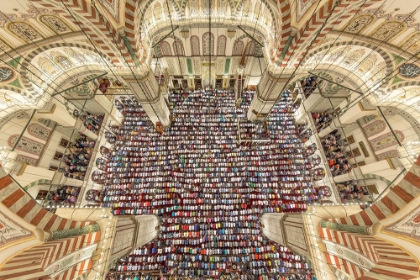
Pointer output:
x,y
373,43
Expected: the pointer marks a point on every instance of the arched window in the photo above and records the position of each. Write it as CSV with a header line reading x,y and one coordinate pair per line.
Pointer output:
x,y
195,46
412,44
388,30
250,48
24,31
238,48
357,24
221,45
208,43
55,24
178,48
165,48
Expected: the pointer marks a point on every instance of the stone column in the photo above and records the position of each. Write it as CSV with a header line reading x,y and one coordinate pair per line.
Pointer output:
x,y
147,92
271,224
269,89
349,228
132,232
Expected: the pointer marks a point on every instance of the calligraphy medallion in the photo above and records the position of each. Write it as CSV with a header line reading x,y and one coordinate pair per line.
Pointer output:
x,y
409,70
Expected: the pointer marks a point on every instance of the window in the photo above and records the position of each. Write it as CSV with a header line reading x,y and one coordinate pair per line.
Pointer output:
x,y
63,143
58,156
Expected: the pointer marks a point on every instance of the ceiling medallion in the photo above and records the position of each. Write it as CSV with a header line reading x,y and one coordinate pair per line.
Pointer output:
x,y
409,70
6,74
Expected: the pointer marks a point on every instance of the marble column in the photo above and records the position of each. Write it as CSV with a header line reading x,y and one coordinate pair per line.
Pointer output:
x,y
349,228
148,93
269,90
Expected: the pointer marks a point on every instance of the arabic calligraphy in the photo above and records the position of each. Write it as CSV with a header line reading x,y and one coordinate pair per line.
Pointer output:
x,y
6,74
409,70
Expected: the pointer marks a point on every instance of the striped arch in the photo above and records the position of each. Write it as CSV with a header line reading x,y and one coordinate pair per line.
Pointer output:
x,y
286,29
84,9
23,205
316,21
398,196
382,258
28,58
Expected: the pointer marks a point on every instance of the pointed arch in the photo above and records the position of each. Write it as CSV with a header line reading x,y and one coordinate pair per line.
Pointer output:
x,y
388,30
165,48
238,48
359,23
221,45
195,46
24,31
208,43
178,48
54,23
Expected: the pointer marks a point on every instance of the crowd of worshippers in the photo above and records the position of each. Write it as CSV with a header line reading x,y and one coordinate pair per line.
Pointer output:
x,y
205,185
309,84
62,196
77,158
335,153
92,122
351,191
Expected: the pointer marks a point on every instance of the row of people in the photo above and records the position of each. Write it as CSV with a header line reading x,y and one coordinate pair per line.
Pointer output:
x,y
92,122
335,153
77,158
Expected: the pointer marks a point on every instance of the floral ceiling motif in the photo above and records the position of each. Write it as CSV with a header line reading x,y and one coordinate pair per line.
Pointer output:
x,y
302,6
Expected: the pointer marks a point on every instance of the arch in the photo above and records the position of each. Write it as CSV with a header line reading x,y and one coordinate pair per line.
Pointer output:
x,y
165,48
24,31
26,144
178,48
412,44
238,48
54,23
208,43
388,30
27,63
39,131
250,48
359,23
195,46
387,66
221,45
